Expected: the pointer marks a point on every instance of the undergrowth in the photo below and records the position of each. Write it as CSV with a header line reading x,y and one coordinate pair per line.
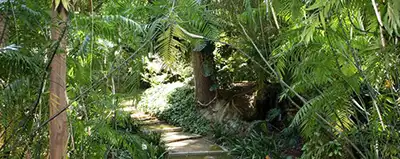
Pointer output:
x,y
175,103
115,137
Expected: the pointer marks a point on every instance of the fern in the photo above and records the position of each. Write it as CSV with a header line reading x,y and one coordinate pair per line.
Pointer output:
x,y
169,45
15,59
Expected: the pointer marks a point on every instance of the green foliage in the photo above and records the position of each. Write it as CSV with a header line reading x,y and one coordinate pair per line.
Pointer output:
x,y
169,45
340,56
232,67
391,17
337,72
156,72
97,128
255,145
115,137
315,148
175,104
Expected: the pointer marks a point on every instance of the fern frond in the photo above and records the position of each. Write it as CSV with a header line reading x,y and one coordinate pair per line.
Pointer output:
x,y
107,25
14,59
170,44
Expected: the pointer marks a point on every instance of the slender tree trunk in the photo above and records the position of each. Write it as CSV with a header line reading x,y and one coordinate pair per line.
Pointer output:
x,y
58,96
3,30
90,6
3,36
203,82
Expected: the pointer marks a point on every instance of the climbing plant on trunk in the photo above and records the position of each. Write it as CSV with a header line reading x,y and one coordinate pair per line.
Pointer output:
x,y
203,70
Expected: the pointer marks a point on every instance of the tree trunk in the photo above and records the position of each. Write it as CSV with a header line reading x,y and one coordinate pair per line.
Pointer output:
x,y
58,97
203,83
3,30
90,7
3,35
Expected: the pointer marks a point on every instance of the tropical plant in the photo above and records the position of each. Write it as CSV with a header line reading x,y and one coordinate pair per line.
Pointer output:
x,y
336,62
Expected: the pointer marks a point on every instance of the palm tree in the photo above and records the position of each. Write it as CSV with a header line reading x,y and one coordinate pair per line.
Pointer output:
x,y
58,96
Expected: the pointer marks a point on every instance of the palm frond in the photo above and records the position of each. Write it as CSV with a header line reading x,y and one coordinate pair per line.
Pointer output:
x,y
170,44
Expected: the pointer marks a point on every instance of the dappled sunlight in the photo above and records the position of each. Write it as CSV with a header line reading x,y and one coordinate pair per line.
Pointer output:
x,y
193,145
127,103
179,143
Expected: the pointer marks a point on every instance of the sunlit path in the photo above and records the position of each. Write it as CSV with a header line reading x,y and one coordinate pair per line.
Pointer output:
x,y
179,144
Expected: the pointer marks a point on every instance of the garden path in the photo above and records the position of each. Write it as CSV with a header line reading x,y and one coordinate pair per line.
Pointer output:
x,y
180,144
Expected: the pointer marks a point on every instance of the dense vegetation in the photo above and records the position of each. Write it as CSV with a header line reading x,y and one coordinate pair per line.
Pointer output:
x,y
283,78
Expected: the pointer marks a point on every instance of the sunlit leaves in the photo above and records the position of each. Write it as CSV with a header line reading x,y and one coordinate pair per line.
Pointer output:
x,y
64,3
308,33
170,45
391,19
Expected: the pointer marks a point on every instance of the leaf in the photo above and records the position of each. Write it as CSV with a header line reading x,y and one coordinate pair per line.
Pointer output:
x,y
391,20
296,8
65,4
56,4
317,4
199,47
307,35
322,19
169,45
277,5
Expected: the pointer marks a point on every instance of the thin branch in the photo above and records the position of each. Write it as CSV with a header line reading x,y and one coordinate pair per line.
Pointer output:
x,y
207,104
274,14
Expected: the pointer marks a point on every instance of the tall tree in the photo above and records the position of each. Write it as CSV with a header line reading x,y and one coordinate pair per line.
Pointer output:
x,y
58,96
